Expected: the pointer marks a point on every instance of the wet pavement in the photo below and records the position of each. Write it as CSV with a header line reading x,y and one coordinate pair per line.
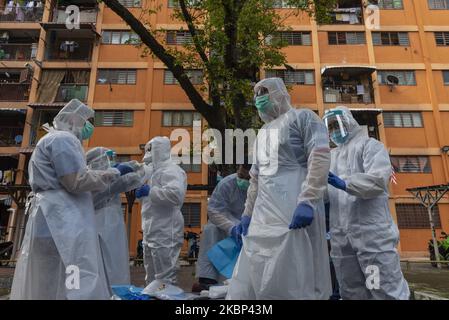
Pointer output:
x,y
420,276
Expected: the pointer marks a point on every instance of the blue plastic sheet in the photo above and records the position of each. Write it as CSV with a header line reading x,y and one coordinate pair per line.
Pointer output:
x,y
130,293
223,256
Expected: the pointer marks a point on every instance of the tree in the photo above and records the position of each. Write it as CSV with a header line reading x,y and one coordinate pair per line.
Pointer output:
x,y
228,42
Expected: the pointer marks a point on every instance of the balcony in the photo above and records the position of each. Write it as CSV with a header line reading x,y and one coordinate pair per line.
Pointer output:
x,y
17,51
67,92
348,84
87,15
21,14
10,136
347,12
69,45
14,91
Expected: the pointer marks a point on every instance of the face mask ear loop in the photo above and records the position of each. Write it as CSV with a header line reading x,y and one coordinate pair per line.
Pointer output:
x,y
342,128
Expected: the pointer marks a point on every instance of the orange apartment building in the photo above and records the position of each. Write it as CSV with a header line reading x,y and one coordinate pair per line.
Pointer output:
x,y
43,65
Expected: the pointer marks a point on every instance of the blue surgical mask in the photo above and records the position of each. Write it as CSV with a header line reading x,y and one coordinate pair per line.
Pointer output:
x,y
263,103
337,138
87,131
242,184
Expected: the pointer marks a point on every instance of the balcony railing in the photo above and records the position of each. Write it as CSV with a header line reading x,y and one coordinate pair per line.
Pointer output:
x,y
70,50
14,91
67,92
20,14
15,51
347,16
87,15
347,94
10,136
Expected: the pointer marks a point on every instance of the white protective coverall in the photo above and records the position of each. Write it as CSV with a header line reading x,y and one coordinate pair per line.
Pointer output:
x,y
363,233
162,219
290,166
224,209
60,255
109,217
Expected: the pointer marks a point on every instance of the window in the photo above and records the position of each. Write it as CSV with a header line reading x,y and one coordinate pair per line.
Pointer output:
x,y
415,216
114,118
442,38
175,3
179,118
390,4
446,77
130,3
411,164
438,4
341,38
406,78
293,77
196,76
403,119
292,38
122,158
391,39
191,167
116,76
192,214
119,37
178,37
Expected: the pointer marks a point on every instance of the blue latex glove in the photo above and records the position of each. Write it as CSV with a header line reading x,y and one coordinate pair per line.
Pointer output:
x,y
236,233
336,181
245,224
124,169
142,191
302,217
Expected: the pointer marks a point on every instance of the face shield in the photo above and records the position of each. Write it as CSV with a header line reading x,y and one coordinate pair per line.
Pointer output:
x,y
335,121
262,100
147,158
100,161
112,156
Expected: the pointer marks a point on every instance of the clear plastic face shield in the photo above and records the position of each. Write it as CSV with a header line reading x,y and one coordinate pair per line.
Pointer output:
x,y
112,156
148,158
335,122
100,162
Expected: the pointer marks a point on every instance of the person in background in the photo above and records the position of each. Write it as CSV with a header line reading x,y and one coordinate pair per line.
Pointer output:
x,y
109,215
224,210
162,220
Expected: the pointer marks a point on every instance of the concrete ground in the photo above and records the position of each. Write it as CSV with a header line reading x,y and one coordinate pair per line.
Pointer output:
x,y
422,277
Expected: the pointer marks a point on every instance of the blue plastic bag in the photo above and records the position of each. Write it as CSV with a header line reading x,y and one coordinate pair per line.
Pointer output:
x,y
130,293
223,256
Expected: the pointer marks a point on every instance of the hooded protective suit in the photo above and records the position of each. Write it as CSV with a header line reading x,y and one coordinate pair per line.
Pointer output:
x,y
363,233
224,209
109,217
290,166
162,219
60,256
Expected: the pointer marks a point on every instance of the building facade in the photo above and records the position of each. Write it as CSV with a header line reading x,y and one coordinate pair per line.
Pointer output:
x,y
394,77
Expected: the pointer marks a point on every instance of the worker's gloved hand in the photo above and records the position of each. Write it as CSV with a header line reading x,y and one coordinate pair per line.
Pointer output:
x,y
142,191
302,217
124,169
336,181
236,234
244,222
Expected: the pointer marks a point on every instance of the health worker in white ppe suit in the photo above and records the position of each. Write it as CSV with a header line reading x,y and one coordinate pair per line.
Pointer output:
x,y
162,220
224,210
109,215
363,234
284,254
60,256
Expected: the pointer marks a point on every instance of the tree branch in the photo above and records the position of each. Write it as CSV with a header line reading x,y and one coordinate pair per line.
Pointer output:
x,y
207,111
193,32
